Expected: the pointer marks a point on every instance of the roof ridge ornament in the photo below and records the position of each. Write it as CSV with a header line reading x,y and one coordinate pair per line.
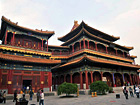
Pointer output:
x,y
75,25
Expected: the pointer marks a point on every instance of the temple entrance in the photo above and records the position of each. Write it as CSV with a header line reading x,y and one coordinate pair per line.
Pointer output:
x,y
127,79
118,79
96,76
68,78
27,83
76,78
108,78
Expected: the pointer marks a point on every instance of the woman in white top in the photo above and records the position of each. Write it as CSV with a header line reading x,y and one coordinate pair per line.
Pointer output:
x,y
137,91
41,98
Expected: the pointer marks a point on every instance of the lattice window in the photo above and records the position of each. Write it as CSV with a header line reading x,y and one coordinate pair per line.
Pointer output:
x,y
20,80
38,80
14,80
17,71
4,80
34,81
27,72
46,81
36,72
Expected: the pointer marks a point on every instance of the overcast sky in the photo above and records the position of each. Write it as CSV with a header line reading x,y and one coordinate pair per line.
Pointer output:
x,y
115,17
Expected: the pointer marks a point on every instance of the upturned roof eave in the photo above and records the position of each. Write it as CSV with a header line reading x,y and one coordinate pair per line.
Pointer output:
x,y
83,29
82,24
97,60
48,33
28,59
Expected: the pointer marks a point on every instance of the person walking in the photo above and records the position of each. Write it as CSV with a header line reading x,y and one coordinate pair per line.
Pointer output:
x,y
38,95
31,94
4,96
15,96
134,89
131,92
125,92
41,98
137,91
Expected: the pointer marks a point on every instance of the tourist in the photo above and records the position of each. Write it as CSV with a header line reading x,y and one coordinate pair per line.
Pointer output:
x,y
131,92
137,91
31,94
123,87
41,98
134,89
15,96
125,92
4,96
27,89
38,95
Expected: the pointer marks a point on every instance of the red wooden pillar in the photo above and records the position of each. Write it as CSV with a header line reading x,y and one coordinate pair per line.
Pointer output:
x,y
88,44
42,44
84,43
13,39
42,80
138,79
133,80
113,80
130,79
73,48
96,46
5,41
47,45
86,74
101,75
81,80
71,78
91,73
80,45
106,50
9,82
52,52
65,78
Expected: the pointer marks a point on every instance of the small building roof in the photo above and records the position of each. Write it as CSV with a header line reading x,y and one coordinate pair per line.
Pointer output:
x,y
28,59
97,60
24,50
16,26
83,24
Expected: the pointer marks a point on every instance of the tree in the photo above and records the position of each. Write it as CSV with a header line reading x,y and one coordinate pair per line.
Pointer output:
x,y
99,87
67,88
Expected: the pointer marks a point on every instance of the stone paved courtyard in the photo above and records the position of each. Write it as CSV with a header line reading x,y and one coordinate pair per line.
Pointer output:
x,y
109,99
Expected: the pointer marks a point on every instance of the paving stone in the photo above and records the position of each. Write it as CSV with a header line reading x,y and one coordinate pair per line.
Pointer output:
x,y
109,99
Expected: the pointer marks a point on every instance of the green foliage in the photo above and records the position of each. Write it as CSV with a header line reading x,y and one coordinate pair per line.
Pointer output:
x,y
67,88
99,86
110,90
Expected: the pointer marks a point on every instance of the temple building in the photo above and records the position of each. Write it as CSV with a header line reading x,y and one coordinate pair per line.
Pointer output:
x,y
86,55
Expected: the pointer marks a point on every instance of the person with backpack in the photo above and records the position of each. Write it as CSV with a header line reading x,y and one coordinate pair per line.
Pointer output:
x,y
41,98
31,94
4,96
137,91
15,96
131,92
125,92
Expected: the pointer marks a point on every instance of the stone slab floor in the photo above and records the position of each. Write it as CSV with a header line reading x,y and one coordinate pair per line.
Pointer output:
x,y
109,99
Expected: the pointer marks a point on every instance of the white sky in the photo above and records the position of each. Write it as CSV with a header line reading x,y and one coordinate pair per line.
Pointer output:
x,y
115,17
